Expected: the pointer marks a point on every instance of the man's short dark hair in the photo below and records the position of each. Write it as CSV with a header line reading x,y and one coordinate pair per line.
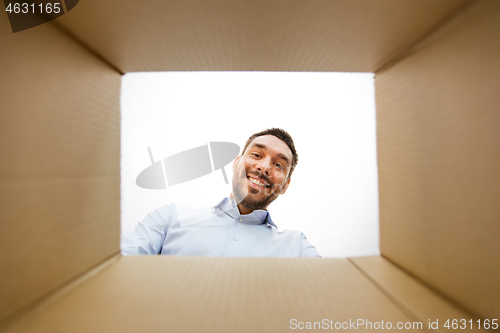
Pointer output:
x,y
283,136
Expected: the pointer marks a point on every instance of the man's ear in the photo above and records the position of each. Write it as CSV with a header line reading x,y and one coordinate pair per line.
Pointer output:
x,y
285,187
236,162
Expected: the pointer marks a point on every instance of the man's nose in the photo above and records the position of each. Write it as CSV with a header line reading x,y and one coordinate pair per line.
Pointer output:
x,y
264,166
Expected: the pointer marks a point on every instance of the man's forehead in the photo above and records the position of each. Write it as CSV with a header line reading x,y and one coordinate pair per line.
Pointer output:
x,y
270,142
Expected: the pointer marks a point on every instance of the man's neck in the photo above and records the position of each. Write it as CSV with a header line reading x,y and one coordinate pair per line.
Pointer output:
x,y
243,209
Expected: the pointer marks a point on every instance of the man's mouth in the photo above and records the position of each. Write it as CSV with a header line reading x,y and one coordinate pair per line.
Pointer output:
x,y
257,182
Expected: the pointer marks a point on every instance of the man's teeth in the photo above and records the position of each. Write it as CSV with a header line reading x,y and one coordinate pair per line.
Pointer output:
x,y
256,182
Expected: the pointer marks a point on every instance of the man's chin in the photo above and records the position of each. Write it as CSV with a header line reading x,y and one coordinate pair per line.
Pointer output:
x,y
253,201
253,191
250,197
251,204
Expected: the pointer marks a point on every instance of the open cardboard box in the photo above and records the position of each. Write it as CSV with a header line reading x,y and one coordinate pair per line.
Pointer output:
x,y
437,66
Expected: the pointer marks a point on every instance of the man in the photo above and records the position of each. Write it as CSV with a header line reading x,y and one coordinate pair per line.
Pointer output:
x,y
238,226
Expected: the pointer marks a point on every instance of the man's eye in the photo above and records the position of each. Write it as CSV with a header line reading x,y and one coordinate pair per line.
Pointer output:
x,y
279,166
255,155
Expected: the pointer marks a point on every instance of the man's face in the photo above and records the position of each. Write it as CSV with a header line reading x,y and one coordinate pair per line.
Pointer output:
x,y
260,174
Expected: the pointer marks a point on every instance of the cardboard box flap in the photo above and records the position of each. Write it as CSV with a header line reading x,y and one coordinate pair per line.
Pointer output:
x,y
422,302
59,165
257,35
203,294
439,160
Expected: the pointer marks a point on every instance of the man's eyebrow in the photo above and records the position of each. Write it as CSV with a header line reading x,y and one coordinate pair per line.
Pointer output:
x,y
284,157
261,146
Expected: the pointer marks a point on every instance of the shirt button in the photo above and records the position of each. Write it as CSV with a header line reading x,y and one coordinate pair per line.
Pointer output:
x,y
241,220
235,238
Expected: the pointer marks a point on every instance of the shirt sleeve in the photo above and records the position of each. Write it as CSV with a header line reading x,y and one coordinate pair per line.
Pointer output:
x,y
149,235
307,249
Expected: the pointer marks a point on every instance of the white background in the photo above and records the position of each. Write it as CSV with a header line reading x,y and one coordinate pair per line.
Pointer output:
x,y
333,194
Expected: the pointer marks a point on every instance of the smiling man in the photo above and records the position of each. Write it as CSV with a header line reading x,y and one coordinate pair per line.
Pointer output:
x,y
238,226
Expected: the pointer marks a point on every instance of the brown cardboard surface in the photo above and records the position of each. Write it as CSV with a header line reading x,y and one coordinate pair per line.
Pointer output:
x,y
439,160
256,35
413,296
203,294
437,150
59,165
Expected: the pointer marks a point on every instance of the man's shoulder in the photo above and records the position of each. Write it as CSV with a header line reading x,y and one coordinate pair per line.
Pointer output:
x,y
289,233
299,238
170,210
180,207
184,215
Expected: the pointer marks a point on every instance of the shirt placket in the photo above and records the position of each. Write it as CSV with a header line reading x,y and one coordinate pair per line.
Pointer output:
x,y
232,239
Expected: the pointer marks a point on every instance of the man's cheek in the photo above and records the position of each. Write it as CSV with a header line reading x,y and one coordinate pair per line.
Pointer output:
x,y
280,176
280,180
276,189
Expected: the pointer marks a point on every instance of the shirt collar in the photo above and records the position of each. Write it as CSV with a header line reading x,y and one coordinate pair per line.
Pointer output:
x,y
230,207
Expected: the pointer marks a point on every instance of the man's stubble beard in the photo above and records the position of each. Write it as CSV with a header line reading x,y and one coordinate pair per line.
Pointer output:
x,y
245,195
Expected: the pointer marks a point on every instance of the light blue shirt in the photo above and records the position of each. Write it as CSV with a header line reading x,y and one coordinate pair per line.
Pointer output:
x,y
221,230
